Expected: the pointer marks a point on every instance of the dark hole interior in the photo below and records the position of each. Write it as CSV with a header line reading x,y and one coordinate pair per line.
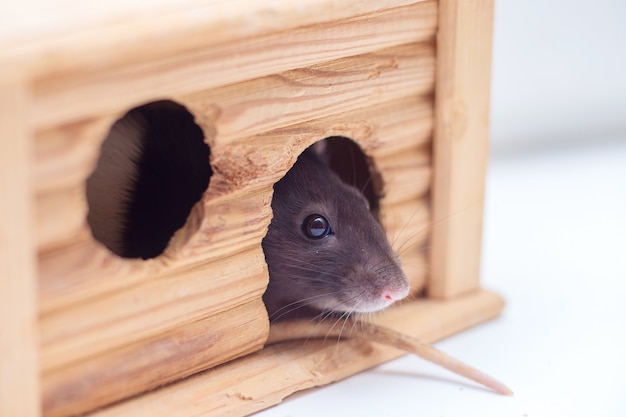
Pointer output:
x,y
347,159
153,167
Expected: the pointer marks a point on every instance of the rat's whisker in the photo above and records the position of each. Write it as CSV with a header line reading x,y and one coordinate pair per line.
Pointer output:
x,y
429,225
403,228
317,271
291,307
343,318
302,278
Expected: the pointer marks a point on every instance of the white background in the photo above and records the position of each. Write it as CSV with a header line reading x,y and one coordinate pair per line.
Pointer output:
x,y
554,239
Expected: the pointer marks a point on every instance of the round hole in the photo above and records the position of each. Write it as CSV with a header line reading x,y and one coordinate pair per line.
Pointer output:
x,y
153,167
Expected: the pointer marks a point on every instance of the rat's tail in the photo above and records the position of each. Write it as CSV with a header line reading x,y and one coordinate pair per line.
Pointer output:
x,y
303,329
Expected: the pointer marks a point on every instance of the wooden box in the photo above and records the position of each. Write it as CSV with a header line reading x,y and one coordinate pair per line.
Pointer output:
x,y
85,331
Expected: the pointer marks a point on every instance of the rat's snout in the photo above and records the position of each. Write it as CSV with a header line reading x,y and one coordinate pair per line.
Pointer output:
x,y
375,290
384,296
393,293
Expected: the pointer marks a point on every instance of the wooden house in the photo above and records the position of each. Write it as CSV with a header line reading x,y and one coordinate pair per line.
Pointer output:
x,y
85,331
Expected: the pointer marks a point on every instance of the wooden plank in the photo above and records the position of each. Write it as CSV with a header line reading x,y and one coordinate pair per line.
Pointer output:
x,y
260,105
399,125
19,364
241,387
150,309
70,36
60,217
118,374
65,155
78,272
408,174
63,98
461,144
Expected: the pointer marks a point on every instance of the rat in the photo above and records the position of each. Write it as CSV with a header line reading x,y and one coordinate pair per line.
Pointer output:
x,y
327,253
324,249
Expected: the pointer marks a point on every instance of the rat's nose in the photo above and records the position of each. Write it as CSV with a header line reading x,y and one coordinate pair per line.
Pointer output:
x,y
392,294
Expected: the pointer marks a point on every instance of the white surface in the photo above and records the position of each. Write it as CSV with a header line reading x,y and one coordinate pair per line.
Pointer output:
x,y
559,72
555,248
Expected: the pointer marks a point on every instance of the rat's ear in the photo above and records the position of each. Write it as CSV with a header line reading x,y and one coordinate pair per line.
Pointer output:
x,y
320,149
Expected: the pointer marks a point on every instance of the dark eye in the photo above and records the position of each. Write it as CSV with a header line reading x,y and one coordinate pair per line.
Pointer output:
x,y
316,226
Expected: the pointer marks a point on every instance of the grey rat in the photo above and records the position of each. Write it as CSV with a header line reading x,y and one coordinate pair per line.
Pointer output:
x,y
324,249
326,252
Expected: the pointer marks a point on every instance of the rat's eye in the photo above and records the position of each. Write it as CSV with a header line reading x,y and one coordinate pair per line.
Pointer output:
x,y
316,226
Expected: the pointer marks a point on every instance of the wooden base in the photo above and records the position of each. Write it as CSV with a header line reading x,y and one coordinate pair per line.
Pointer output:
x,y
265,378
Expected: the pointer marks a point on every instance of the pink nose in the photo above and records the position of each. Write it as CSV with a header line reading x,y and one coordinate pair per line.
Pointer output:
x,y
394,294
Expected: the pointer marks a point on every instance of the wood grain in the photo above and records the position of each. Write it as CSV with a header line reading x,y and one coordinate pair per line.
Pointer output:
x,y
19,364
70,36
461,144
77,273
121,373
407,174
241,387
60,217
267,103
60,99
66,155
150,309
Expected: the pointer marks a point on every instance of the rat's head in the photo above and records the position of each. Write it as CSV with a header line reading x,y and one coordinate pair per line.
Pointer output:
x,y
324,248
